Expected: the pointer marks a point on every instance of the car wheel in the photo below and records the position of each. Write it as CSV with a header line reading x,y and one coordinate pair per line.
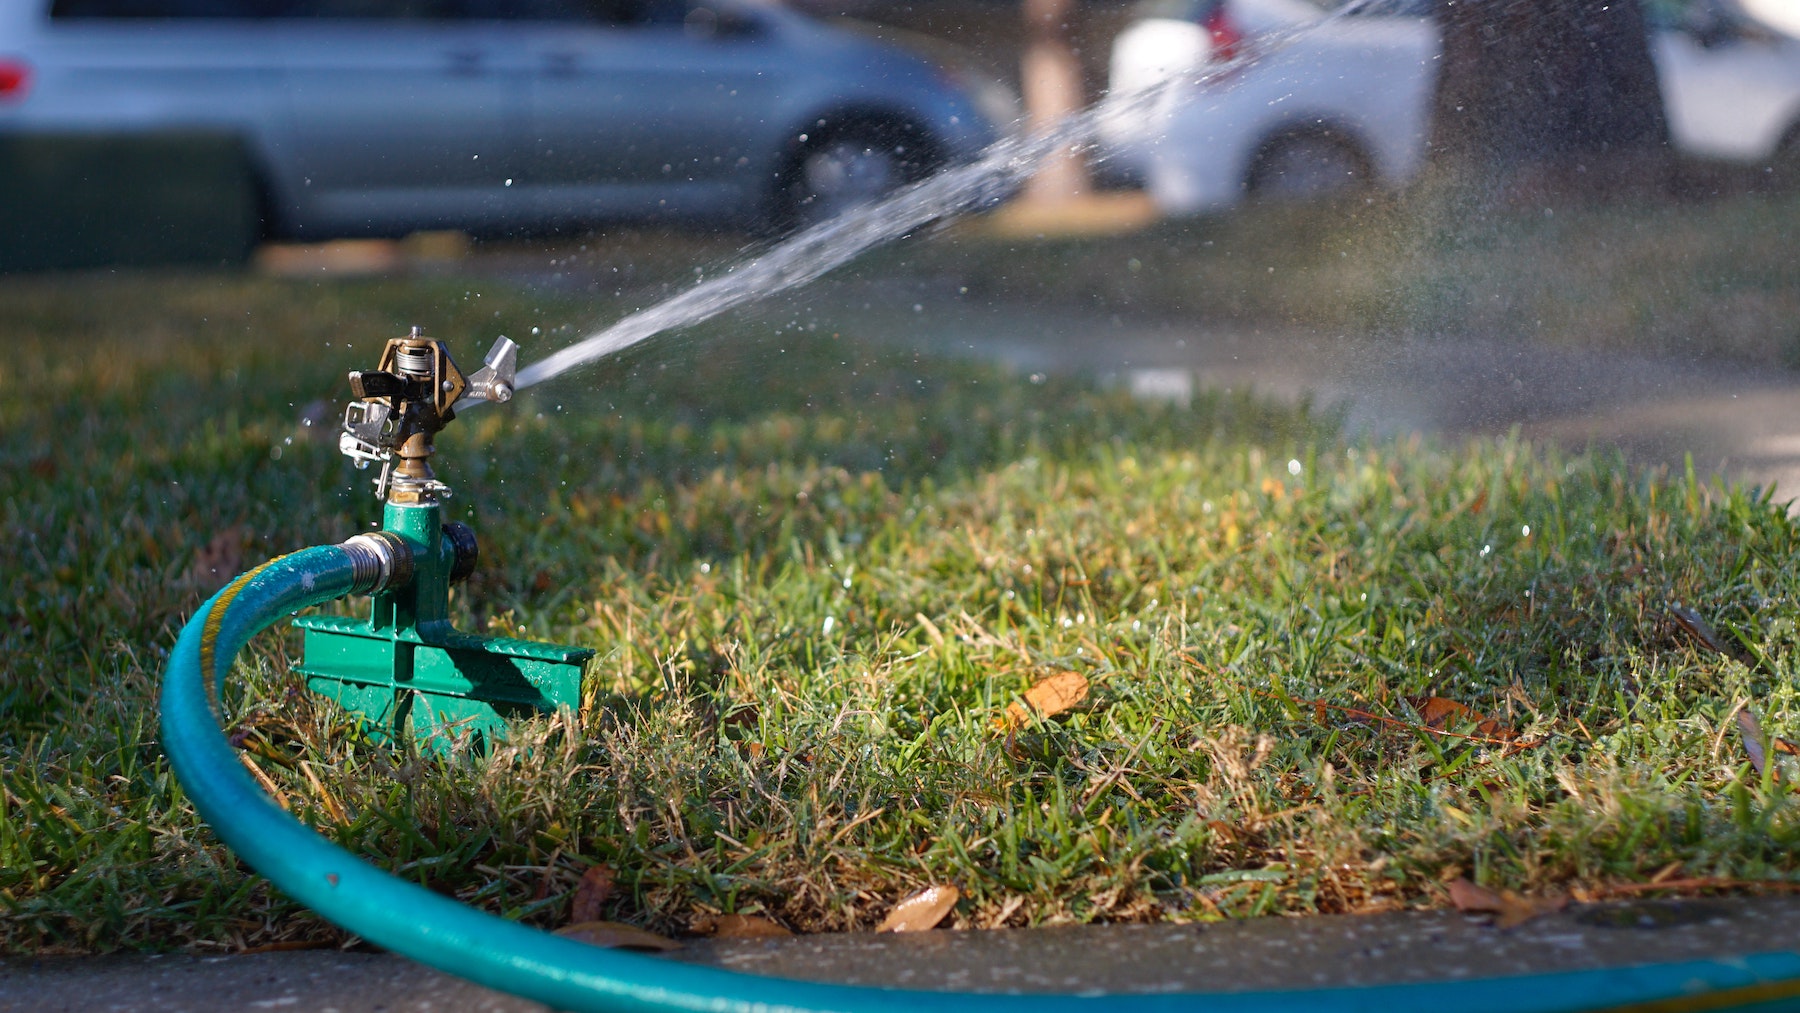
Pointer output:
x,y
845,167
1310,164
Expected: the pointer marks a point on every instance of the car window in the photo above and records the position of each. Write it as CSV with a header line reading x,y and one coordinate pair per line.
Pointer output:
x,y
604,12
102,9
397,10
384,10
1388,8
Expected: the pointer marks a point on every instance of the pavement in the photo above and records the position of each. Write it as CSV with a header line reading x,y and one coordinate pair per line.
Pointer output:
x,y
1736,422
1250,955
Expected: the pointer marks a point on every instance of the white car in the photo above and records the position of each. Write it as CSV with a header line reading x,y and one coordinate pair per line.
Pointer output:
x,y
1348,101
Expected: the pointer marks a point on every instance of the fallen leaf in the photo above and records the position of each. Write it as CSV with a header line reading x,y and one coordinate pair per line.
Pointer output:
x,y
1439,714
1750,730
740,927
591,894
616,936
219,560
1696,627
1510,909
921,911
1523,909
1472,898
1048,697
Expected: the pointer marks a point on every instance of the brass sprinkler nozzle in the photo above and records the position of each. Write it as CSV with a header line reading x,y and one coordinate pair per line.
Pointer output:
x,y
402,403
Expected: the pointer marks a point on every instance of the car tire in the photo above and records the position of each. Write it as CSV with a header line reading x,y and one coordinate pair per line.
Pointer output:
x,y
1305,165
839,167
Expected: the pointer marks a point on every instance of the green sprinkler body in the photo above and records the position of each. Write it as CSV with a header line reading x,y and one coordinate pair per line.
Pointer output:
x,y
405,670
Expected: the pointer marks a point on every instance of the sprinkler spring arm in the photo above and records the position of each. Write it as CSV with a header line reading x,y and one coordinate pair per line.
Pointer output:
x,y
405,667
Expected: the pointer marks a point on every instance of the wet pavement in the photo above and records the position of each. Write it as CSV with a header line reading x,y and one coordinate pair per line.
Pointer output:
x,y
1736,422
1250,955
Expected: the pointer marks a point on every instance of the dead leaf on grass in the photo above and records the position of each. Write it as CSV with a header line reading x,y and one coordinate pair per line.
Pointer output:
x,y
219,560
617,936
740,927
1509,909
1439,714
1698,628
1755,744
591,895
921,911
1047,697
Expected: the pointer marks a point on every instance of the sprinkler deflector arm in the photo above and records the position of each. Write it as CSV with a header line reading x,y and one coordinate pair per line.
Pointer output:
x,y
436,930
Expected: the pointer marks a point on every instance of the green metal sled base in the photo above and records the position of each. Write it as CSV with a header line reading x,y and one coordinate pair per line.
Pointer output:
x,y
569,975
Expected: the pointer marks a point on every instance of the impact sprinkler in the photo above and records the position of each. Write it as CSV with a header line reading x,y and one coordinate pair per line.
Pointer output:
x,y
405,667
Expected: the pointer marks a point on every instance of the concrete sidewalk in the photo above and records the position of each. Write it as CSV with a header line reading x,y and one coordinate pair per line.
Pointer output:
x,y
1257,954
1736,422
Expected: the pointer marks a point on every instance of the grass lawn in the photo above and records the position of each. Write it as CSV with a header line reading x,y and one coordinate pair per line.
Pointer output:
x,y
817,574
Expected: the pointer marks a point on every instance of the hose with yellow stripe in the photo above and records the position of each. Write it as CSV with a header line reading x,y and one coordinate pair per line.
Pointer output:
x,y
436,930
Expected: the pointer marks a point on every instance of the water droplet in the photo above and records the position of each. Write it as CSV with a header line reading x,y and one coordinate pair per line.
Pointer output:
x,y
1294,467
1485,549
1525,531
830,621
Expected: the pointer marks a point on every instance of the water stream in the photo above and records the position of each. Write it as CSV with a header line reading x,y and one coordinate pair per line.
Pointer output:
x,y
1000,171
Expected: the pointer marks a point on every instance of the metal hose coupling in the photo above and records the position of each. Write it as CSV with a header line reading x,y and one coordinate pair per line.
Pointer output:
x,y
379,561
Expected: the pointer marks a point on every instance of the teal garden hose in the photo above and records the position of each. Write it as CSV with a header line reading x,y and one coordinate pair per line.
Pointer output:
x,y
570,975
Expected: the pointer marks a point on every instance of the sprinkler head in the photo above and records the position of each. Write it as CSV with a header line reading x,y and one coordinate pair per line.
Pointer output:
x,y
402,403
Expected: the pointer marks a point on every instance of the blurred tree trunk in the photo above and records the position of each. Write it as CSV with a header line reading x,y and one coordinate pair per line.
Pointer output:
x,y
1558,93
1052,84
